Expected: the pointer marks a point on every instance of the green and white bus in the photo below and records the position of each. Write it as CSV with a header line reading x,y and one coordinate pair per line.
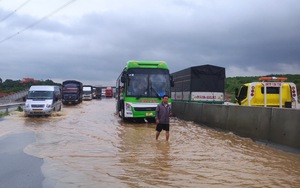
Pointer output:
x,y
140,87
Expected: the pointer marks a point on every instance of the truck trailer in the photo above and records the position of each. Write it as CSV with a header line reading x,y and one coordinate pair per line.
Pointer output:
x,y
203,84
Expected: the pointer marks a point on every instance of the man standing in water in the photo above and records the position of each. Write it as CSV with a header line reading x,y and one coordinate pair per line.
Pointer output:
x,y
162,117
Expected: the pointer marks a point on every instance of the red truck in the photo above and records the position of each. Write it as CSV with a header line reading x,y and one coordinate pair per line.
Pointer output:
x,y
109,92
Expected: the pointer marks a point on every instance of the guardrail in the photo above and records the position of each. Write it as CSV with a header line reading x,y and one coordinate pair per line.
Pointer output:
x,y
6,107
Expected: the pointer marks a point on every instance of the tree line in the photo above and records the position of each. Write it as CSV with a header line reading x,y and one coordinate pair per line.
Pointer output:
x,y
12,86
235,82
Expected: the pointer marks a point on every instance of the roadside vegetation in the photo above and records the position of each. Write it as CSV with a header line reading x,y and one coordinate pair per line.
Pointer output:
x,y
3,114
20,109
10,86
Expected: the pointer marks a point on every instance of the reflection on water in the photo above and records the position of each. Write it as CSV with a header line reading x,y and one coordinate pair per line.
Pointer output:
x,y
89,146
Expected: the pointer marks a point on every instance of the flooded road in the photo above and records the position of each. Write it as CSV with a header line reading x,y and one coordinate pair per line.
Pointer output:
x,y
89,146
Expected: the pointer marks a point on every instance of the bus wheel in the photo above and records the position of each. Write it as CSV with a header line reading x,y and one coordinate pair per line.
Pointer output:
x,y
120,113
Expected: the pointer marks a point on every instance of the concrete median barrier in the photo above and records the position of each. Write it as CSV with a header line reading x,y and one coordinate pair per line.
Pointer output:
x,y
277,125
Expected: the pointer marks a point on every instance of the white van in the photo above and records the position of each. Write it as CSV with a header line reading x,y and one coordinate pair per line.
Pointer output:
x,y
43,100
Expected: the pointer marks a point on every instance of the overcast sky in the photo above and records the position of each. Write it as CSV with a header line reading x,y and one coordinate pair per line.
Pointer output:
x,y
91,40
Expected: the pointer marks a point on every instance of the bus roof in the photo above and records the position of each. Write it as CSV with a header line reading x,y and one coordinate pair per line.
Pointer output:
x,y
146,64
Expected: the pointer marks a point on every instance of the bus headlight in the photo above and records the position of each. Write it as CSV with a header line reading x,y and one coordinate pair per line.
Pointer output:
x,y
128,107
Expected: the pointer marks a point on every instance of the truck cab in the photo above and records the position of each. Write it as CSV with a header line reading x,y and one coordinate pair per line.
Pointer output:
x,y
270,92
108,92
87,92
72,92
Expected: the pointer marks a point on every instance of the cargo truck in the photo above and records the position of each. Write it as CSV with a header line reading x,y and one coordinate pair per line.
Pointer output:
x,y
87,92
109,92
98,92
202,84
72,92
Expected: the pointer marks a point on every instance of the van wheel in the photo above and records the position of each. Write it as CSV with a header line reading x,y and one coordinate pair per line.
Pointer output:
x,y
59,109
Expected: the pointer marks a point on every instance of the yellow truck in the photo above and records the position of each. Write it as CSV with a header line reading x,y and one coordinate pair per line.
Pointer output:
x,y
269,92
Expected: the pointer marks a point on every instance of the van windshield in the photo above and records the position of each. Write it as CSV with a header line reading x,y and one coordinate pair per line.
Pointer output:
x,y
40,95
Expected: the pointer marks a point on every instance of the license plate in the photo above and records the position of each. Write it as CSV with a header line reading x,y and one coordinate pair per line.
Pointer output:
x,y
37,110
149,114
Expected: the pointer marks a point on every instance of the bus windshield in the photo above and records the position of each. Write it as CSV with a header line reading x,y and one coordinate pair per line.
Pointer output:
x,y
148,83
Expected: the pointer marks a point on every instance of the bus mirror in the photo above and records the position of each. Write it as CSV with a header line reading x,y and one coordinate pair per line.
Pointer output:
x,y
171,81
123,79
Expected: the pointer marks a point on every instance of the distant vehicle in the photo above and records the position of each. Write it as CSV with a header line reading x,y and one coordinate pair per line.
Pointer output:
x,y
72,92
43,100
140,87
87,92
103,92
98,92
202,84
270,92
94,92
109,92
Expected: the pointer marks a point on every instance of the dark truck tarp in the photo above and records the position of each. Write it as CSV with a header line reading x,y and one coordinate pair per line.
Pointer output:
x,y
204,78
75,82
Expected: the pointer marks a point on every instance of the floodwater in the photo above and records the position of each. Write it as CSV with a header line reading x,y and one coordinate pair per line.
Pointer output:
x,y
89,146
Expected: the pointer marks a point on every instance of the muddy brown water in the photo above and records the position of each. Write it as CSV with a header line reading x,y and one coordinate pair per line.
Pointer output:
x,y
89,146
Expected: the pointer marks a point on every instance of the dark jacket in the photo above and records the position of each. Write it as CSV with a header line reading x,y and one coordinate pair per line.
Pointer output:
x,y
163,113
